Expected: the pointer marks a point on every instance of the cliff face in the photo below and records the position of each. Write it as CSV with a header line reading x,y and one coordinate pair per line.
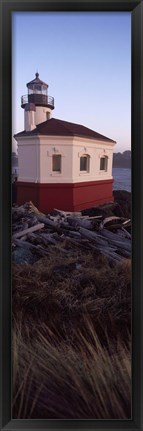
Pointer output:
x,y
122,160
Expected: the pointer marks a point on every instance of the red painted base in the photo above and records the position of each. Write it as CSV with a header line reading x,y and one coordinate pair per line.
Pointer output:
x,y
67,197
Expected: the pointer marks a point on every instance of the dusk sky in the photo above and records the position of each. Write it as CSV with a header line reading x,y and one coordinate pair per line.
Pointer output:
x,y
85,58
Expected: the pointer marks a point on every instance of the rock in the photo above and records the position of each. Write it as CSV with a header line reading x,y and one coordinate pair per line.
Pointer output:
x,y
121,206
124,200
21,255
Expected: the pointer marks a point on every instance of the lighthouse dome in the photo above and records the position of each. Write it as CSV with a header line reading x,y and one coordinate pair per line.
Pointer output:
x,y
36,83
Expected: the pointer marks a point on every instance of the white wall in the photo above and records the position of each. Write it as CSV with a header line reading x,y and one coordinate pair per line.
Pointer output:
x,y
55,145
35,159
71,149
95,149
29,120
28,159
40,114
32,118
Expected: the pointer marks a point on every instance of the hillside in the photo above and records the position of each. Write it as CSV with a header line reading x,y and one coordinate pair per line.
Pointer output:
x,y
122,160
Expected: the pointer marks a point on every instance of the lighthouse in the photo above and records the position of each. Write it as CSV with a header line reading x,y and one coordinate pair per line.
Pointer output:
x,y
37,104
62,164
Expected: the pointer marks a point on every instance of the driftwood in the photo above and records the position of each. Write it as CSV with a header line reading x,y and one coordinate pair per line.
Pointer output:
x,y
93,236
49,222
110,219
65,230
68,213
28,230
103,246
114,239
82,222
74,234
46,240
127,234
92,217
30,207
127,223
28,245
77,243
111,254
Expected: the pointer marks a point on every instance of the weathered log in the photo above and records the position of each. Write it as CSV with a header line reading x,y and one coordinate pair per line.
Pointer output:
x,y
114,239
28,230
74,234
127,223
76,242
111,219
114,227
32,237
47,238
73,228
110,247
24,238
85,217
18,212
49,222
123,252
68,213
28,245
127,234
110,254
30,207
78,221
32,219
93,236
64,225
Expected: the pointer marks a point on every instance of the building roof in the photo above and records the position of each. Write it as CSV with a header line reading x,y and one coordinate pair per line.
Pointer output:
x,y
56,127
36,81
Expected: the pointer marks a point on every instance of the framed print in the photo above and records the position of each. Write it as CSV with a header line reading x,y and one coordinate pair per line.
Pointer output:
x,y
71,215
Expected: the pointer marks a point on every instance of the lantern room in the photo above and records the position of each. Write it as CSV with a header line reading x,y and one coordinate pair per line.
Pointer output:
x,y
37,94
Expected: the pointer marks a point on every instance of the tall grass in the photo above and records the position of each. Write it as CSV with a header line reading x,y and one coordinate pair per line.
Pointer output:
x,y
71,339
70,380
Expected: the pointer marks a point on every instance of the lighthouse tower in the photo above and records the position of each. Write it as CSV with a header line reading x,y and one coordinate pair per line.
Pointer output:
x,y
37,104
61,164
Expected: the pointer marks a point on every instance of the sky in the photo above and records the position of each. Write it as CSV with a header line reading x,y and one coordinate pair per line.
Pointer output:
x,y
85,58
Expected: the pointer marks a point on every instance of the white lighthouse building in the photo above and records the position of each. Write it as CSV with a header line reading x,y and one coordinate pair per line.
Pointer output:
x,y
61,164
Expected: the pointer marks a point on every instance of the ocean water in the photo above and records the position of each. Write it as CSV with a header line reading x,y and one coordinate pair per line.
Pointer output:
x,y
122,179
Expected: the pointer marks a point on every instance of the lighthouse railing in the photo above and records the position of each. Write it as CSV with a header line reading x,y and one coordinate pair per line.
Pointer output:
x,y
37,99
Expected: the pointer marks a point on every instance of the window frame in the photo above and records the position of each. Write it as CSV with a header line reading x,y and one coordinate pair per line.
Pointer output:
x,y
105,158
87,158
55,171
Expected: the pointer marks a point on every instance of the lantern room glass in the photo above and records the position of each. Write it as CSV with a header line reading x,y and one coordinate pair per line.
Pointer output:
x,y
37,89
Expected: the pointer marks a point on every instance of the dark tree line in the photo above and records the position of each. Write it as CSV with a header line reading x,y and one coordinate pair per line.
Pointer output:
x,y
122,160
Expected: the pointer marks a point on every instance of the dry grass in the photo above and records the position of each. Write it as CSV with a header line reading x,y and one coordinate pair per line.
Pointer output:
x,y
71,338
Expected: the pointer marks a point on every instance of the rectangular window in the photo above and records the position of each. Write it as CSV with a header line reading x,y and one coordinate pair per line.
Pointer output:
x,y
84,163
37,88
47,115
103,164
56,163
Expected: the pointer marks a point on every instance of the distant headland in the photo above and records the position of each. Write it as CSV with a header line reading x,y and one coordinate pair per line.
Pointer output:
x,y
122,160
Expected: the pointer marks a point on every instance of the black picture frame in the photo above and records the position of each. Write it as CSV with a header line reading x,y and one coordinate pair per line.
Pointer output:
x,y
136,9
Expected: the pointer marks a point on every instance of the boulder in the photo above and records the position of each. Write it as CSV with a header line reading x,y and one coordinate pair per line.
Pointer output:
x,y
20,255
